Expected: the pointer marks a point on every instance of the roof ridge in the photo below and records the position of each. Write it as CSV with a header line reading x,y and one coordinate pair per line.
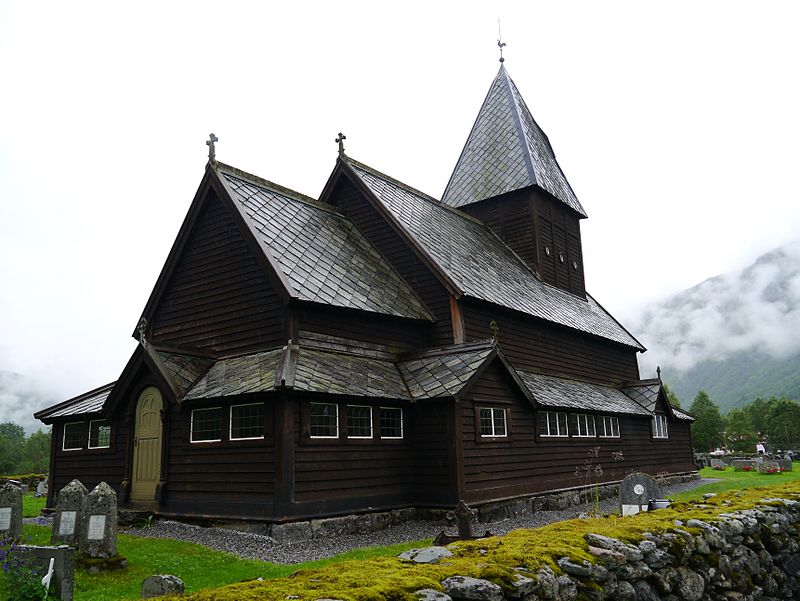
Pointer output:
x,y
450,349
413,190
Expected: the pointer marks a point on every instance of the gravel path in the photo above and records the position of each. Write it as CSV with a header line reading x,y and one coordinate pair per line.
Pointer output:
x,y
256,546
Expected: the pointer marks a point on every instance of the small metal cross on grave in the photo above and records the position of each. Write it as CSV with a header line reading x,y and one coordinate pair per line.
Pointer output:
x,y
212,155
340,141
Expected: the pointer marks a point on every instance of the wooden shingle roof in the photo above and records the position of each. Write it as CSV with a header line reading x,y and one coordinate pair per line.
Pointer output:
x,y
87,403
505,151
469,254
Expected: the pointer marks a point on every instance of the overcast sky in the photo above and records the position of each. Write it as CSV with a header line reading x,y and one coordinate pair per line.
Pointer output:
x,y
676,123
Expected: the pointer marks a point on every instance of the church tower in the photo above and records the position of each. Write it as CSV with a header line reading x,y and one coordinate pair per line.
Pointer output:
x,y
508,176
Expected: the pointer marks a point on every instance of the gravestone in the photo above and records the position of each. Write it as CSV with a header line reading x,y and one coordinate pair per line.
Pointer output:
x,y
62,581
41,488
635,491
718,463
160,585
68,520
10,511
98,533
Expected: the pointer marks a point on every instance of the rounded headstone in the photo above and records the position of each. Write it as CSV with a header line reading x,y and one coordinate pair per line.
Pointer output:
x,y
10,511
636,490
68,519
160,585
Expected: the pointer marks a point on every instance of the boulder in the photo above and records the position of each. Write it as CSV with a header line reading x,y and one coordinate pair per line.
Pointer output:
x,y
426,554
472,589
160,585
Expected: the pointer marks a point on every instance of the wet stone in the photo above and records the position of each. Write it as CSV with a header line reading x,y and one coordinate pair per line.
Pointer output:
x,y
68,520
635,491
160,585
98,534
10,511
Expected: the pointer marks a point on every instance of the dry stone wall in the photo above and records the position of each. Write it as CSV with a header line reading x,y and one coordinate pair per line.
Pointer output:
x,y
748,555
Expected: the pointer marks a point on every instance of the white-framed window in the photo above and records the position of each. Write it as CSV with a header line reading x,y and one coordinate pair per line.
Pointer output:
x,y
206,425
247,421
323,420
359,421
73,436
608,426
391,422
553,423
99,434
493,422
582,425
660,426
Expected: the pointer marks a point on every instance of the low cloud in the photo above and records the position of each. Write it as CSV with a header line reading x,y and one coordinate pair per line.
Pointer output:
x,y
756,309
20,397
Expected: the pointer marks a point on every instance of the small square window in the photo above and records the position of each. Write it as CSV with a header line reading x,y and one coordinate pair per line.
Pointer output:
x,y
323,420
99,434
493,422
73,436
206,425
608,426
391,422
359,421
247,421
552,423
583,425
660,426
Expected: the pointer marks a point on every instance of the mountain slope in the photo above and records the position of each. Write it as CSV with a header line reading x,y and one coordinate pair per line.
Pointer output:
x,y
737,335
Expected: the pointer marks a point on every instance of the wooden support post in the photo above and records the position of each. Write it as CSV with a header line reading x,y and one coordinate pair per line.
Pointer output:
x,y
284,456
457,319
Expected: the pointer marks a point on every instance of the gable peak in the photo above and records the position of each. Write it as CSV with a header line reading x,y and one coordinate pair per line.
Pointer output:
x,y
506,150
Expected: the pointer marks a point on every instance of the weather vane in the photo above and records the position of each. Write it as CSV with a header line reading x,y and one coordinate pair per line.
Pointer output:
x,y
212,155
500,42
340,141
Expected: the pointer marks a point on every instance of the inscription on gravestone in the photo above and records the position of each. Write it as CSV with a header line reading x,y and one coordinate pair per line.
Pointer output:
x,y
68,519
97,527
10,511
635,491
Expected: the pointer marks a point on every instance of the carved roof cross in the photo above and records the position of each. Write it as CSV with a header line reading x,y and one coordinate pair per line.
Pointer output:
x,y
340,141
212,155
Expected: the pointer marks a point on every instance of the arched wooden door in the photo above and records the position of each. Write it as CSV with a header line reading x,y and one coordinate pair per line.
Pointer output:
x,y
147,445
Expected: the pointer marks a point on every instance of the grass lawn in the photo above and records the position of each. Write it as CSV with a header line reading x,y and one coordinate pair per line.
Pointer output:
x,y
31,506
731,480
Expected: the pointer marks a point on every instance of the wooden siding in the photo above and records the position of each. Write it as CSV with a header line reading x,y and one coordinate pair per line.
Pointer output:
x,y
394,332
402,258
90,466
433,454
559,230
532,344
230,478
218,298
525,463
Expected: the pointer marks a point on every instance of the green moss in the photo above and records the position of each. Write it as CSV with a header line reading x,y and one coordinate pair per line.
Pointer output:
x,y
389,579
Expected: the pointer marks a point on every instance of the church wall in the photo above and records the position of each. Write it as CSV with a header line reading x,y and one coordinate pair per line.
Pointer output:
x,y
218,298
531,344
434,454
559,231
402,258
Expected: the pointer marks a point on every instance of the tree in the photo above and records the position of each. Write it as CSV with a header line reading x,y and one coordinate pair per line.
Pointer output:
x,y
739,430
672,397
12,440
783,424
709,425
36,453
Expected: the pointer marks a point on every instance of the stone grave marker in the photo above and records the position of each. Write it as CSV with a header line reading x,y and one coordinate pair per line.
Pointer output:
x,y
41,488
718,463
63,578
635,491
68,519
98,533
10,511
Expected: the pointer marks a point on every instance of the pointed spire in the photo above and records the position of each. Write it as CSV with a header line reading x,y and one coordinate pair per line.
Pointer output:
x,y
506,151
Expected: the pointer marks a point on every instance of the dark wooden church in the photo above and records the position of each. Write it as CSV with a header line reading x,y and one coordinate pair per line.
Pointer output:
x,y
374,348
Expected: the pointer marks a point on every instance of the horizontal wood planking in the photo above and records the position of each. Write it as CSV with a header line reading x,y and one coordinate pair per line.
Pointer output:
x,y
90,466
218,298
524,463
559,229
400,256
433,478
533,344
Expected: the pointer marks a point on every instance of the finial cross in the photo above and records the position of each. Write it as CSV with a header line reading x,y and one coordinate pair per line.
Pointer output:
x,y
340,141
500,43
494,328
142,327
212,154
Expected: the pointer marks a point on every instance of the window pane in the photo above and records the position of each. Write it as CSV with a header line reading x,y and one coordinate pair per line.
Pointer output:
x,y
359,421
573,423
247,421
499,422
486,422
552,424
73,436
562,424
542,424
324,420
614,426
590,425
99,434
206,424
391,422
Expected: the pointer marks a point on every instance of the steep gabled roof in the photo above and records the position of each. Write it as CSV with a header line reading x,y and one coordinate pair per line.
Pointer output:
x,y
505,151
321,256
470,255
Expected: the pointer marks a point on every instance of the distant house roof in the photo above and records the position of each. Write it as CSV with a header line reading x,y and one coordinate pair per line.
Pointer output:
x,y
83,404
562,393
481,265
505,151
322,255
